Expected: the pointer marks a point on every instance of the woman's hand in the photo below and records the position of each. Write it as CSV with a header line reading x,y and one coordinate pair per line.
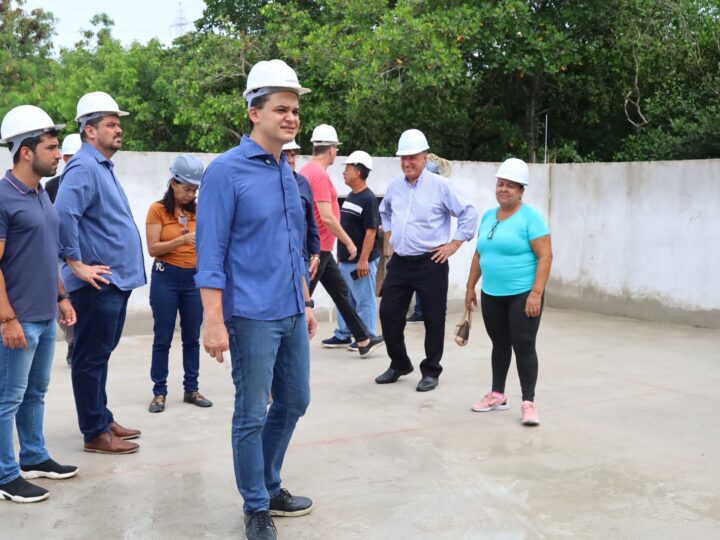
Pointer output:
x,y
470,299
533,304
188,238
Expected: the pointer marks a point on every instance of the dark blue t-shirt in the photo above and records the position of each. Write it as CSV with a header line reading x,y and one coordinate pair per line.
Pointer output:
x,y
29,228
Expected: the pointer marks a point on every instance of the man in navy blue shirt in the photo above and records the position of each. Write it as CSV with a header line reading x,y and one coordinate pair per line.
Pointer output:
x,y
311,239
30,295
251,275
102,250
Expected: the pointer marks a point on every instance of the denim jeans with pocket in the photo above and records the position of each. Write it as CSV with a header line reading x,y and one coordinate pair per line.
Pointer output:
x,y
267,356
362,298
173,290
24,379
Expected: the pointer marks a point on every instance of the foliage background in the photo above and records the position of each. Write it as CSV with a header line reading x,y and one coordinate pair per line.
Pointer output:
x,y
617,79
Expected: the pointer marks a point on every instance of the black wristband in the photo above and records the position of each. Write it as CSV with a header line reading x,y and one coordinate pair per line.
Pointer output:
x,y
310,303
62,297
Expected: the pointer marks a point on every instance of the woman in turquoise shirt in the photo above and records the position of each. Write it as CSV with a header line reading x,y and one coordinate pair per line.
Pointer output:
x,y
513,255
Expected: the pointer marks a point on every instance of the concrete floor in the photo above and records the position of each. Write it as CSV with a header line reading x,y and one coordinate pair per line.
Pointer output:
x,y
628,446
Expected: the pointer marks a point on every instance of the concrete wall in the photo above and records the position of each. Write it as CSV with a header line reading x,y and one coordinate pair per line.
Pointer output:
x,y
635,239
638,239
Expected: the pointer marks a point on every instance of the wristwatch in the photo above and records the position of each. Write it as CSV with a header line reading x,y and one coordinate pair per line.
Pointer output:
x,y
310,303
62,297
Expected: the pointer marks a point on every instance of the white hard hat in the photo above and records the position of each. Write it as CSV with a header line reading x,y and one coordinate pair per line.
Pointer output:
x,y
324,135
71,144
24,122
515,170
97,103
272,75
412,142
292,145
358,156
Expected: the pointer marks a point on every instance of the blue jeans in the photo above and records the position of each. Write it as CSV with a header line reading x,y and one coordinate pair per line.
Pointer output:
x,y
171,290
24,379
100,320
362,298
266,356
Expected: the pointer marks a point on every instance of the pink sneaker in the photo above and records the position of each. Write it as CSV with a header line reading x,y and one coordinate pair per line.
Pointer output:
x,y
529,414
493,401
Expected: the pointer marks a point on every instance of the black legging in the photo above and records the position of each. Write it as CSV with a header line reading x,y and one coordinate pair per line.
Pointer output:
x,y
510,329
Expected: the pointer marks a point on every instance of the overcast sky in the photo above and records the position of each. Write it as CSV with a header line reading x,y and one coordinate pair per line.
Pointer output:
x,y
135,20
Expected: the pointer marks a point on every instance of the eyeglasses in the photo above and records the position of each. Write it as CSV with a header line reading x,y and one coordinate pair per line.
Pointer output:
x,y
492,230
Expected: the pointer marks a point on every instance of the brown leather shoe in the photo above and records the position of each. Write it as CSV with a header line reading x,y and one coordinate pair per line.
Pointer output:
x,y
107,443
124,433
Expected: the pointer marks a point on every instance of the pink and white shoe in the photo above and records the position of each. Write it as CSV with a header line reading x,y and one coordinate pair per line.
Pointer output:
x,y
529,414
493,401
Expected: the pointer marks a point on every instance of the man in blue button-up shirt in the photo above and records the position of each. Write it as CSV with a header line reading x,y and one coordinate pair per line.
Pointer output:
x,y
416,214
251,275
102,250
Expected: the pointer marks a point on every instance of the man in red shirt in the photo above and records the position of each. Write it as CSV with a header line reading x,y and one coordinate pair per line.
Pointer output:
x,y
327,216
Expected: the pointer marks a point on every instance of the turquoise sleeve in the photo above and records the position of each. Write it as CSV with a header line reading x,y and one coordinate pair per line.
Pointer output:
x,y
537,227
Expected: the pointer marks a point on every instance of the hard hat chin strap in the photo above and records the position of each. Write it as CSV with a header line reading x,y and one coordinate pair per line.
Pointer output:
x,y
264,91
15,143
82,122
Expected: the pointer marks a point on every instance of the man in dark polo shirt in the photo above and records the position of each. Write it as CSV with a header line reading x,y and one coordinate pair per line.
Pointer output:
x,y
360,218
30,295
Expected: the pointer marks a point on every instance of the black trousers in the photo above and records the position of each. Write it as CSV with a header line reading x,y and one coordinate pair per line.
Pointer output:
x,y
405,276
329,275
510,329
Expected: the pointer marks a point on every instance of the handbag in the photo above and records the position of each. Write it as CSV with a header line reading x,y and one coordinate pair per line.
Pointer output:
x,y
462,329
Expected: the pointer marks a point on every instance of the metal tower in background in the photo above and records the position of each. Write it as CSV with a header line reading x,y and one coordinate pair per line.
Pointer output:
x,y
180,24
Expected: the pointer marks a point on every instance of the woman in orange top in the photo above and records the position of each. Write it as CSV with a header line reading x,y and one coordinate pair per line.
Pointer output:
x,y
171,240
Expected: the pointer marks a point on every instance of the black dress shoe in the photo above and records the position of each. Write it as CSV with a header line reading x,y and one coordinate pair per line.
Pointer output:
x,y
392,375
426,384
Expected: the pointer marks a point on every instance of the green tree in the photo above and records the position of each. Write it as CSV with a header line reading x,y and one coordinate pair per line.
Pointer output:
x,y
212,70
673,99
238,17
139,77
25,54
618,79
